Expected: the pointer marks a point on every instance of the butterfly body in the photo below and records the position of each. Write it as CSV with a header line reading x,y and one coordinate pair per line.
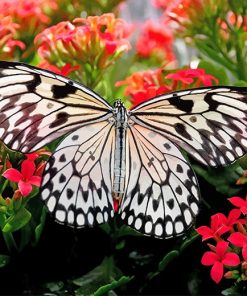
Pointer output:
x,y
132,155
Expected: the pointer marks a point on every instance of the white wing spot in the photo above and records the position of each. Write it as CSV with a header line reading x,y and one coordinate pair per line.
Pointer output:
x,y
138,223
99,218
123,215
80,219
130,220
90,219
187,216
71,217
230,156
45,193
46,178
239,151
148,227
169,227
105,216
194,208
158,230
51,203
60,215
8,138
179,227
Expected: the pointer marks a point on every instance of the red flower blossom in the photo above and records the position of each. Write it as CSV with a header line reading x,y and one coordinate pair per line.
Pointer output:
x,y
240,203
232,219
218,259
186,77
144,85
29,14
238,239
95,41
156,40
25,178
216,230
64,71
8,43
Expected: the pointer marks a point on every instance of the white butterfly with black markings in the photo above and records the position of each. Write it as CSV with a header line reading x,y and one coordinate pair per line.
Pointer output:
x,y
110,152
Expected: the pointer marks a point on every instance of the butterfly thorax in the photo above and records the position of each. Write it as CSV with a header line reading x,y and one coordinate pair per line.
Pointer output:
x,y
121,118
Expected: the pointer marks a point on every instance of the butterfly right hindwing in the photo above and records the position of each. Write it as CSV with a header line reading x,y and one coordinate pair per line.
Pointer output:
x,y
162,195
77,182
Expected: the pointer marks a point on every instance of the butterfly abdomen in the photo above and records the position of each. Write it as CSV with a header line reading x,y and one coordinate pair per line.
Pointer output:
x,y
120,150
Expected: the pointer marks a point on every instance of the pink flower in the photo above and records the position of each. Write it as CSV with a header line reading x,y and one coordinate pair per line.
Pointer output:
x,y
238,239
218,259
240,203
64,71
216,230
25,178
232,219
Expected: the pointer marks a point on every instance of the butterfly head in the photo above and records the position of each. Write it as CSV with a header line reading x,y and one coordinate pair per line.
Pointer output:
x,y
120,114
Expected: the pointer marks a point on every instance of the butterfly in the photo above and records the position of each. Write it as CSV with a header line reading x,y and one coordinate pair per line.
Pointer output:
x,y
111,153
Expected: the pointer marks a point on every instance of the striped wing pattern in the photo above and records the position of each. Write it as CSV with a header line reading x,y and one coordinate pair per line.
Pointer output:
x,y
38,106
162,194
76,188
209,123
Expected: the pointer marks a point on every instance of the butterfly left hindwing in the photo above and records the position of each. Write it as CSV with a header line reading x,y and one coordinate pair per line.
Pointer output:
x,y
77,182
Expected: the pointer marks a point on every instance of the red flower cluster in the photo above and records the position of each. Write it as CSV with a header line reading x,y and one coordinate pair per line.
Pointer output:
x,y
30,15
141,86
229,257
93,43
156,40
29,175
8,43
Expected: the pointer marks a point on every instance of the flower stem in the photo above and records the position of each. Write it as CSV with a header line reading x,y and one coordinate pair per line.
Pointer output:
x,y
10,242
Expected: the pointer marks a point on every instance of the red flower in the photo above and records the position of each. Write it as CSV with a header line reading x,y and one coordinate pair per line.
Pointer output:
x,y
232,219
240,203
186,77
93,43
218,259
238,239
8,42
156,40
216,230
25,178
64,71
144,85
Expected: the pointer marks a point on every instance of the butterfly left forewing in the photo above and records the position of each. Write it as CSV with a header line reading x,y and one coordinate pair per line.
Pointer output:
x,y
77,182
209,123
162,196
38,106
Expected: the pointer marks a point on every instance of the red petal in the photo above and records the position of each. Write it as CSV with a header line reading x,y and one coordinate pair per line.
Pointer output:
x,y
237,239
209,258
221,248
237,201
25,188
13,175
233,216
217,271
244,252
35,180
231,259
205,232
27,169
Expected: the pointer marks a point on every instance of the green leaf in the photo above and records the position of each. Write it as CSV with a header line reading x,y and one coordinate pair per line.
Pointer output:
x,y
39,228
167,259
223,178
242,83
188,242
54,286
233,291
4,260
17,221
101,279
113,285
